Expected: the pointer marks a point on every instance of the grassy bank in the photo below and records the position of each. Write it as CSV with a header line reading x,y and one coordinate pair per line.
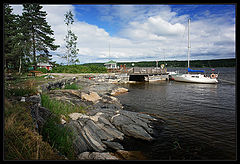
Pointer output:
x,y
21,141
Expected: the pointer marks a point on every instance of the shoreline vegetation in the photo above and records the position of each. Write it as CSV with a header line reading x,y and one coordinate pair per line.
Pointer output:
x,y
231,62
99,67
34,119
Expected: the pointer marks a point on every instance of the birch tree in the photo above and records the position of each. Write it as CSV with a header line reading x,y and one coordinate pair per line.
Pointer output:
x,y
71,40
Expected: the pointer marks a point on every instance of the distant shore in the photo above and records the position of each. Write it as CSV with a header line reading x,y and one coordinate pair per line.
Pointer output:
x,y
231,62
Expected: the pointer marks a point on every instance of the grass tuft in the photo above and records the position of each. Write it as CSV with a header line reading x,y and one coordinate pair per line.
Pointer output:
x,y
60,108
72,86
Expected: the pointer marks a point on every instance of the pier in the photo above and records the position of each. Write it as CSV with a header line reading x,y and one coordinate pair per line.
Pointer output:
x,y
146,73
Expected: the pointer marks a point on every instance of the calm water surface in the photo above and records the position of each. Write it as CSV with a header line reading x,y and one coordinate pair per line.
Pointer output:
x,y
199,118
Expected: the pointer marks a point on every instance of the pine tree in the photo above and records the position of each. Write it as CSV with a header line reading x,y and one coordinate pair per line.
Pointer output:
x,y
71,40
39,31
9,32
22,44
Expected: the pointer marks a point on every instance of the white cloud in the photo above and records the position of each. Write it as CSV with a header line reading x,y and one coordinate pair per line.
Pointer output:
x,y
147,33
153,26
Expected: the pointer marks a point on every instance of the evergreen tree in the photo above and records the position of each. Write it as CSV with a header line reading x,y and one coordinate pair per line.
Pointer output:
x,y
71,40
9,32
39,31
22,44
16,46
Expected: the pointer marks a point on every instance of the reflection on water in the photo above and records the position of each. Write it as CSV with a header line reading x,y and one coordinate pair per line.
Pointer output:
x,y
200,118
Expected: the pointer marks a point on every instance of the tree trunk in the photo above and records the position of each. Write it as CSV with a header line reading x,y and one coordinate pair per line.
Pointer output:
x,y
34,50
20,66
68,47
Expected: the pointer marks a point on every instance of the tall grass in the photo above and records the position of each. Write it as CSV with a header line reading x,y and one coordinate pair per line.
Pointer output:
x,y
57,135
21,141
17,89
60,108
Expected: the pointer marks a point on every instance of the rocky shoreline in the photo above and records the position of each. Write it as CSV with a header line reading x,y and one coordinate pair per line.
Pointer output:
x,y
99,133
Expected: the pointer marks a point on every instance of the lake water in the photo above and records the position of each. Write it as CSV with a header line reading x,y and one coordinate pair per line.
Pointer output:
x,y
200,119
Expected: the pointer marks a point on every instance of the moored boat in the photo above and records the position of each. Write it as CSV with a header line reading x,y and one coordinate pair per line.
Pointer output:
x,y
192,77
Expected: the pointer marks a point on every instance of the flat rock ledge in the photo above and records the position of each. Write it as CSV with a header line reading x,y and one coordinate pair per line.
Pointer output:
x,y
102,130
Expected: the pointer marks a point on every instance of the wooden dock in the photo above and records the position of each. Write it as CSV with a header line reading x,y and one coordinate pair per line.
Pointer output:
x,y
146,73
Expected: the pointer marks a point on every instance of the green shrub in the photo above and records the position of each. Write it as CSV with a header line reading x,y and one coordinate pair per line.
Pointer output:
x,y
72,86
79,69
43,70
19,92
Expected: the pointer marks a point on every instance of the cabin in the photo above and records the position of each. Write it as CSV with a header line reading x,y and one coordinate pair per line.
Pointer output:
x,y
45,65
111,64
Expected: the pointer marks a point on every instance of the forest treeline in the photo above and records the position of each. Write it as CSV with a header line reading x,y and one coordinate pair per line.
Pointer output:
x,y
174,63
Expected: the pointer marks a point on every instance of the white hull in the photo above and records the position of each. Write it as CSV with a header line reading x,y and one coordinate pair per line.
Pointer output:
x,y
194,78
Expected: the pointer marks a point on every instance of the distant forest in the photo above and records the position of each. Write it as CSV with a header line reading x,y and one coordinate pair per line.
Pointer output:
x,y
174,63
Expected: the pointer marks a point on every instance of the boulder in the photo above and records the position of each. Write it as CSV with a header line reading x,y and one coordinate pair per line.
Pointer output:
x,y
69,96
130,155
63,119
23,99
40,115
79,142
131,126
75,116
58,83
108,103
93,97
35,99
96,156
113,145
118,91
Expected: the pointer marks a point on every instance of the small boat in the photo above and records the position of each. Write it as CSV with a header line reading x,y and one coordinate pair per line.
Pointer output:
x,y
192,77
196,78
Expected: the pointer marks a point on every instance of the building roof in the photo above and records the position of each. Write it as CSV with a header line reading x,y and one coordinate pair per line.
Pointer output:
x,y
44,64
111,62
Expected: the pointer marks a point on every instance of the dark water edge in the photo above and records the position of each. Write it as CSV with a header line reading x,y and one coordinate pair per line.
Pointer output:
x,y
200,119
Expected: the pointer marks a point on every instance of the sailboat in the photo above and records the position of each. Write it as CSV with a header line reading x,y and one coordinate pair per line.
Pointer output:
x,y
194,76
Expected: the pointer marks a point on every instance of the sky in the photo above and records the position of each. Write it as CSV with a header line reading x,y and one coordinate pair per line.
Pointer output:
x,y
132,33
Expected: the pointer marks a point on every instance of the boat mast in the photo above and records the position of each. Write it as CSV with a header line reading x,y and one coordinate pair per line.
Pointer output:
x,y
109,50
188,41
